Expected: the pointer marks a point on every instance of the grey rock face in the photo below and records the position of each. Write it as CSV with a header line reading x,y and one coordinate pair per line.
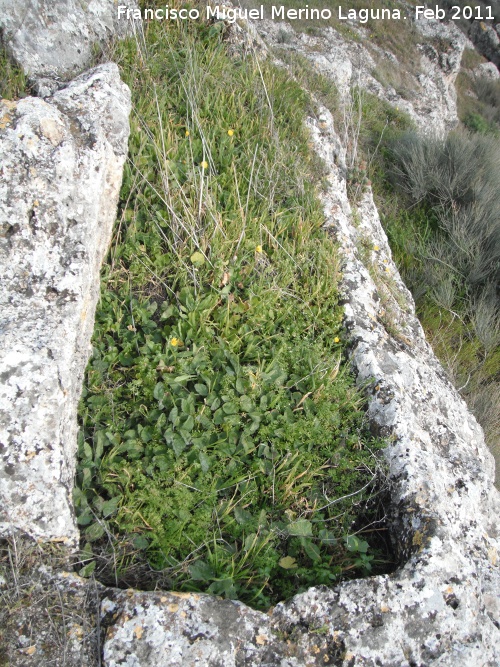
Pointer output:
x,y
486,40
429,97
61,168
486,71
52,40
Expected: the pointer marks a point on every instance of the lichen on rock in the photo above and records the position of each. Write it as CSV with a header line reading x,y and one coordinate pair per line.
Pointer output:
x,y
54,41
62,161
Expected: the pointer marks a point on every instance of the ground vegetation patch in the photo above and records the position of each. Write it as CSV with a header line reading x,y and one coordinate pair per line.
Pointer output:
x,y
223,445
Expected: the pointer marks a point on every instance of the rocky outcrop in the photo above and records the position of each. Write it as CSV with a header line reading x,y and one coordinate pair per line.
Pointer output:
x,y
54,41
61,164
486,71
486,40
425,90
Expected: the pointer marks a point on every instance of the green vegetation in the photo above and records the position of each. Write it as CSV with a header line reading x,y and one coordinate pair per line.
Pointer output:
x,y
448,243
440,206
479,103
13,83
222,437
323,90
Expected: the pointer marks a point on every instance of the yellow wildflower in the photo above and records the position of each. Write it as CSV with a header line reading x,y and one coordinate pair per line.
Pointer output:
x,y
187,133
175,342
376,248
258,249
336,339
204,164
230,132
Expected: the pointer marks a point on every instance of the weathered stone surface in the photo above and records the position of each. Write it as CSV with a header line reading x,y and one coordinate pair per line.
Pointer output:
x,y
427,96
441,607
486,71
52,40
486,40
61,168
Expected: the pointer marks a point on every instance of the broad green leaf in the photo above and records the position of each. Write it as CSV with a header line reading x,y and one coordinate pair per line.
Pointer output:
x,y
146,434
125,359
159,391
87,570
247,443
110,506
182,379
311,550
301,528
84,519
140,542
204,461
201,571
240,386
327,537
113,439
353,543
99,449
223,587
94,532
218,417
197,258
246,403
87,450
242,516
287,563
178,444
188,424
250,542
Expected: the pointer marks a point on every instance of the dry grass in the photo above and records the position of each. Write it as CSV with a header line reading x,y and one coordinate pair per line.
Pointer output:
x,y
47,616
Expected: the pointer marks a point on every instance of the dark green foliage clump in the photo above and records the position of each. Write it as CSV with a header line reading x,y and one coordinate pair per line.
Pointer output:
x,y
222,436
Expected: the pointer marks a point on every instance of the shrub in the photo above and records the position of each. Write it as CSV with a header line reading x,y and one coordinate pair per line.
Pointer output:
x,y
441,211
458,179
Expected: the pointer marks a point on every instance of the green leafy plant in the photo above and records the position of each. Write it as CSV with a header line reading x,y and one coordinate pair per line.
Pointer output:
x,y
222,437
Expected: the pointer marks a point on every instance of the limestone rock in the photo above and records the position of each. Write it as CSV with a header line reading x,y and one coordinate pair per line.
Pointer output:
x,y
61,168
486,71
486,41
428,97
52,40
